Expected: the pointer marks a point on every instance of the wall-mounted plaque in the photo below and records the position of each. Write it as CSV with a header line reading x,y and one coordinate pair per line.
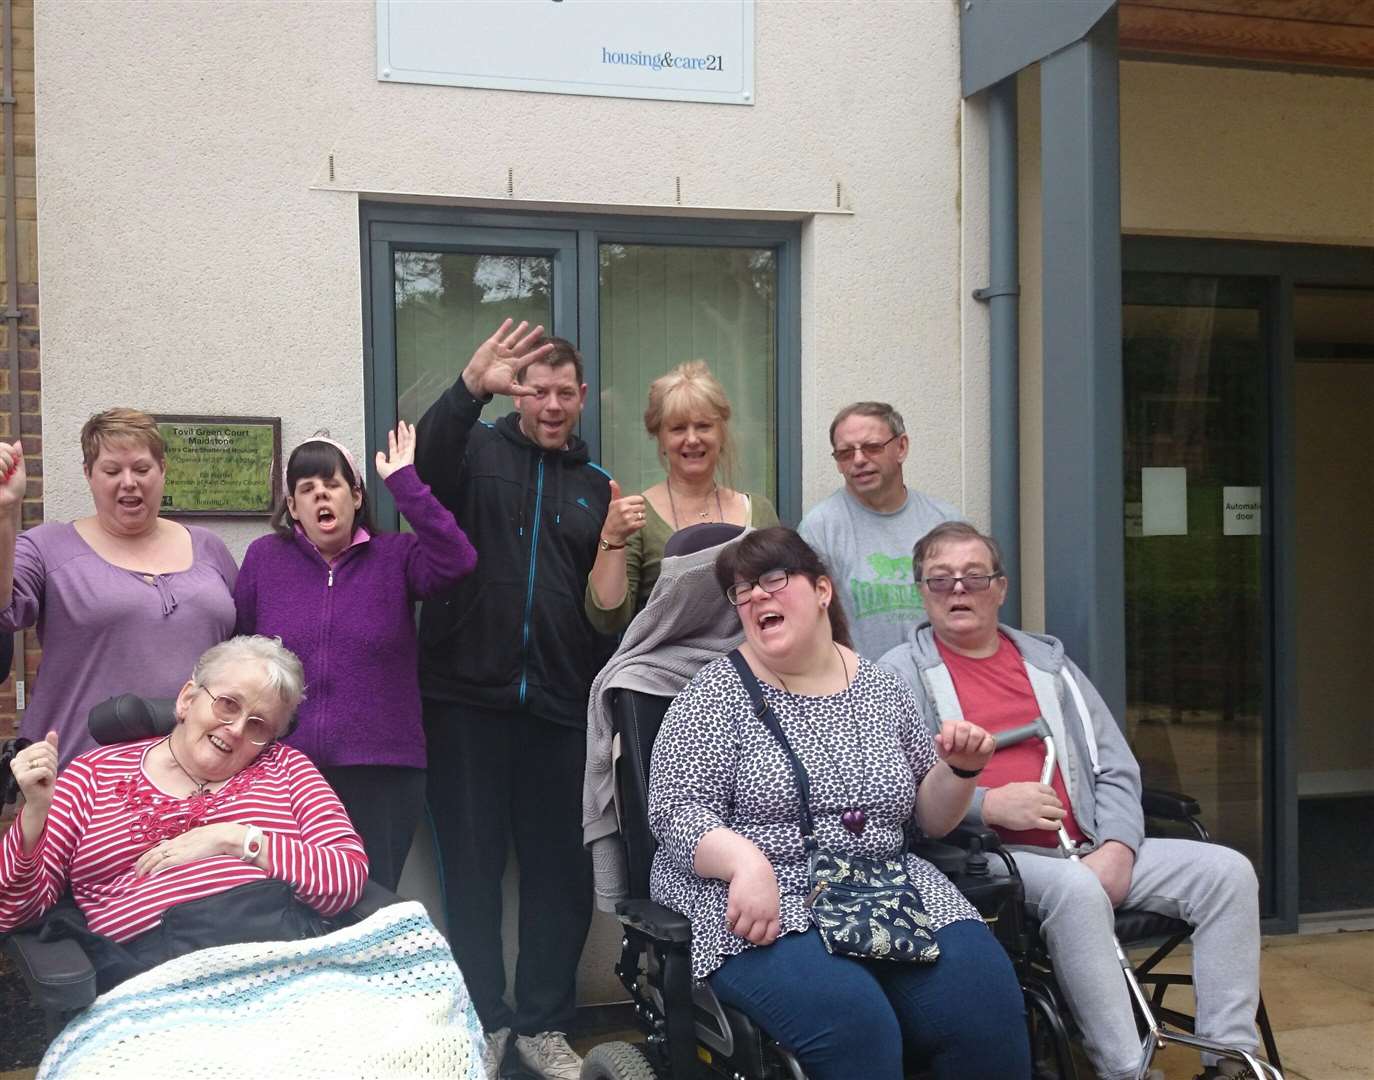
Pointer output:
x,y
224,466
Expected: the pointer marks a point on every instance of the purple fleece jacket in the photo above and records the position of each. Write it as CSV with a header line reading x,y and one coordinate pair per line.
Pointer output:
x,y
353,626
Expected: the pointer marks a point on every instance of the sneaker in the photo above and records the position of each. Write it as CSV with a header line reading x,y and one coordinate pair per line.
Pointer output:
x,y
494,1051
549,1055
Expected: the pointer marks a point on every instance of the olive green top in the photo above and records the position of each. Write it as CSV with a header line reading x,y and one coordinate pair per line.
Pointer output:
x,y
643,560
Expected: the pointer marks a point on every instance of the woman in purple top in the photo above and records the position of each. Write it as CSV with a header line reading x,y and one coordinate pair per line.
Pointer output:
x,y
340,595
124,600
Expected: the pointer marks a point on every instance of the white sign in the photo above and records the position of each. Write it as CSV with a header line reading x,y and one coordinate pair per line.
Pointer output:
x,y
1240,511
1164,499
676,50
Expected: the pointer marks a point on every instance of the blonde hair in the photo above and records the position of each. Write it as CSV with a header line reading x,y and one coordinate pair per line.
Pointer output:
x,y
120,425
691,390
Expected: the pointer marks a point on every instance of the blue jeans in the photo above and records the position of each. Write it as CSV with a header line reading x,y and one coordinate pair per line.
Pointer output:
x,y
962,1016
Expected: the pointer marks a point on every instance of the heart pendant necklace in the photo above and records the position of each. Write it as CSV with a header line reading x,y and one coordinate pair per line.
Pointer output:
x,y
854,818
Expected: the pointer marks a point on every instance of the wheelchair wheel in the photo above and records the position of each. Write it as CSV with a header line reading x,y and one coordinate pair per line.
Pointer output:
x,y
617,1061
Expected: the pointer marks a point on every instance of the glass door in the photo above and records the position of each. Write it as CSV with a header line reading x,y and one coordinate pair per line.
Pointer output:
x,y
1198,610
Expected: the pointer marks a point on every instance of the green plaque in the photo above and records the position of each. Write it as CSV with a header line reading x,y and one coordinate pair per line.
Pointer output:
x,y
220,465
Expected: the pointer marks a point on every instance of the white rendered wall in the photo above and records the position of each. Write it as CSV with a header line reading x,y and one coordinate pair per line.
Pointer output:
x,y
1209,152
196,257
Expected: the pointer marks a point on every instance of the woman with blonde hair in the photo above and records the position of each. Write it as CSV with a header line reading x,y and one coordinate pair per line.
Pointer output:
x,y
689,415
124,600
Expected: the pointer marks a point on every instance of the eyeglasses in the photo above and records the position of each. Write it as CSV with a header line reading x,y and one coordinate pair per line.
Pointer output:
x,y
228,710
770,581
871,449
972,582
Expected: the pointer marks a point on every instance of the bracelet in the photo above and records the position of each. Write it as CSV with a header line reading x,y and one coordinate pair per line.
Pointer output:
x,y
964,774
606,545
252,843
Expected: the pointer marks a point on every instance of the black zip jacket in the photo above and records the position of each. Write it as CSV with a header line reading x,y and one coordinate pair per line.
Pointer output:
x,y
512,635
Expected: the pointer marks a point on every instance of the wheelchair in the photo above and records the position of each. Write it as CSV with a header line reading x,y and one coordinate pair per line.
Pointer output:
x,y
58,974
689,1033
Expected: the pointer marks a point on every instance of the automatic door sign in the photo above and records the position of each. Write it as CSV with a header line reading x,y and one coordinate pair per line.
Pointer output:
x,y
1240,511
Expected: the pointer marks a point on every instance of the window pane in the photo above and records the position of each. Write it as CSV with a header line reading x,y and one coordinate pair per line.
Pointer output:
x,y
446,304
662,305
1196,451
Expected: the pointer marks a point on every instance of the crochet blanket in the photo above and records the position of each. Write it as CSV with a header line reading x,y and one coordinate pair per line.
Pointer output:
x,y
382,998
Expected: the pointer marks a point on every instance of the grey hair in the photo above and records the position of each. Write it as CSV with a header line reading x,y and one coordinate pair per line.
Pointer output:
x,y
285,675
879,410
952,532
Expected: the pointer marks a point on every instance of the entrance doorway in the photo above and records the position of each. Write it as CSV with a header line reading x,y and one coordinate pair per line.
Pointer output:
x,y
1334,392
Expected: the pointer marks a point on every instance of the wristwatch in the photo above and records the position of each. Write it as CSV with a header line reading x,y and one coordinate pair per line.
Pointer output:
x,y
606,545
252,843
963,774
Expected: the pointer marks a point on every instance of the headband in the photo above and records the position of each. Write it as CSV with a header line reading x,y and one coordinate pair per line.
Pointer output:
x,y
340,447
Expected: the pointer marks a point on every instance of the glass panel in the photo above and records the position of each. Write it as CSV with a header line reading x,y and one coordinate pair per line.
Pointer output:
x,y
663,305
449,302
1334,392
1196,454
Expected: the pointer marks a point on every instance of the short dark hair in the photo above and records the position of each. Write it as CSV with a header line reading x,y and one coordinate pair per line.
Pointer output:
x,y
317,458
564,352
952,532
880,410
774,548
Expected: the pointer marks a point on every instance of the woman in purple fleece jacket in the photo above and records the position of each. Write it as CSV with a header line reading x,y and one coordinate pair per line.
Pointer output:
x,y
340,596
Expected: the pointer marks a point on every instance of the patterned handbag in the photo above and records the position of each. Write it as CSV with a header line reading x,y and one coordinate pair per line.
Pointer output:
x,y
863,907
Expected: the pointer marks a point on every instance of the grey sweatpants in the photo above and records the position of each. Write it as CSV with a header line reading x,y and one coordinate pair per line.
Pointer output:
x,y
1211,887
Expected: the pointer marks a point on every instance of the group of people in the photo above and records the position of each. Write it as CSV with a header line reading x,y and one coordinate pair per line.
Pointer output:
x,y
317,726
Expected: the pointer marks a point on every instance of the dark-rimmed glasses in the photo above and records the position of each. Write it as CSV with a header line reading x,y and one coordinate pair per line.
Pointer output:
x,y
770,581
871,449
942,583
230,710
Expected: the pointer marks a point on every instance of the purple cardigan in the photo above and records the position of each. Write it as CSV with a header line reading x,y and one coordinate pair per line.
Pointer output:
x,y
353,626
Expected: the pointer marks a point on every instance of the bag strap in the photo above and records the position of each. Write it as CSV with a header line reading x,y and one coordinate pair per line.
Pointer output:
x,y
765,715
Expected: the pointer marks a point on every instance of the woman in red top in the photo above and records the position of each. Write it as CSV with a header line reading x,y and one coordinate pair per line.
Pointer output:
x,y
137,828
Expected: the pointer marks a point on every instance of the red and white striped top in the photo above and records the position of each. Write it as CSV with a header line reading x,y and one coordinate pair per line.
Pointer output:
x,y
106,812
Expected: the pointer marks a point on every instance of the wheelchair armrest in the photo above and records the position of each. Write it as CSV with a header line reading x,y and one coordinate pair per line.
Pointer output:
x,y
58,973
654,919
1169,805
949,859
974,837
374,898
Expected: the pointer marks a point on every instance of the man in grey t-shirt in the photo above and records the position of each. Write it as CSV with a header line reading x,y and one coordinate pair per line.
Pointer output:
x,y
865,531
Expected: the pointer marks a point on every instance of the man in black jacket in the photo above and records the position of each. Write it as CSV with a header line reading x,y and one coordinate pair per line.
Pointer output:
x,y
506,662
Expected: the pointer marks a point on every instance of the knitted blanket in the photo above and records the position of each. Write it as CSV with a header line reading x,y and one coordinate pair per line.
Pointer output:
x,y
382,998
686,624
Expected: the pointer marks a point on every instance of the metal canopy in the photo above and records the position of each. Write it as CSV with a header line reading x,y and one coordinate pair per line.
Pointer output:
x,y
997,38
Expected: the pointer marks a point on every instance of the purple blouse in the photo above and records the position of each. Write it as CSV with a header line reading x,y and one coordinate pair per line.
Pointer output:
x,y
106,630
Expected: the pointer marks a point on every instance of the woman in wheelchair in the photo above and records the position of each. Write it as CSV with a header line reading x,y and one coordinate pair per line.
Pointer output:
x,y
723,803
136,829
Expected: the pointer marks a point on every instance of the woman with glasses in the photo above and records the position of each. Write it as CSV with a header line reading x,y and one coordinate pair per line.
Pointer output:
x,y
136,829
689,415
341,595
723,803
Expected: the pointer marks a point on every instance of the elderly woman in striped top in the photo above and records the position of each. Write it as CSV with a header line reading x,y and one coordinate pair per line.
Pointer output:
x,y
137,828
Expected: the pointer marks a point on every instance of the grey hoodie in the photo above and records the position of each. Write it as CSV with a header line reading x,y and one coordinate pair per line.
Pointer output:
x,y
1106,797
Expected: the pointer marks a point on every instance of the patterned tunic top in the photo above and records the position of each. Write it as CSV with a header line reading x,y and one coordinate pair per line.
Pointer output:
x,y
715,765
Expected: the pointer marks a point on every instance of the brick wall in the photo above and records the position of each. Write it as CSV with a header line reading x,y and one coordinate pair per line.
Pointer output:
x,y
26,292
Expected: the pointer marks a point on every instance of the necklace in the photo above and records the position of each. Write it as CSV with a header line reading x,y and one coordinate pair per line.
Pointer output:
x,y
705,514
854,818
202,786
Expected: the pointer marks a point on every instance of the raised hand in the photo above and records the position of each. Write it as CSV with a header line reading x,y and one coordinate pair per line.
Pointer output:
x,y
964,745
14,479
400,450
1023,805
35,768
496,366
624,517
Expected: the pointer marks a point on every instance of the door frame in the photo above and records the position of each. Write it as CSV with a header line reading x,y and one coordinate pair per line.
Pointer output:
x,y
1285,267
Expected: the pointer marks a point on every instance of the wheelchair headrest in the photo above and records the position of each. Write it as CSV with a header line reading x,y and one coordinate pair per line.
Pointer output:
x,y
129,717
696,538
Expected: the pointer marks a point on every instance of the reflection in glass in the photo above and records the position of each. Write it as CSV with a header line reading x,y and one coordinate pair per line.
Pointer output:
x,y
1196,392
662,305
447,303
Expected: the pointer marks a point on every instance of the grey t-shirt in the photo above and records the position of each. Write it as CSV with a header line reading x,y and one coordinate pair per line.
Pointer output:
x,y
869,554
